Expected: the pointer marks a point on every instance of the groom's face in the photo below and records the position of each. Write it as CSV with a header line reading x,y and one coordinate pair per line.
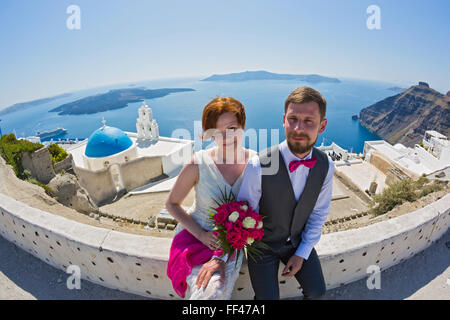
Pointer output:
x,y
302,125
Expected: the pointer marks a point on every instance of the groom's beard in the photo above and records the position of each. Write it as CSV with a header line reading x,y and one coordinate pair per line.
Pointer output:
x,y
300,147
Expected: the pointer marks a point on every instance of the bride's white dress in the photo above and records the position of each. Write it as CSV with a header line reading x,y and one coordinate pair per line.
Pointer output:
x,y
207,189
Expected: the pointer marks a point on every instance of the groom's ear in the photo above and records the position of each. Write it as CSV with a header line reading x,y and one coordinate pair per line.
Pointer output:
x,y
323,125
284,118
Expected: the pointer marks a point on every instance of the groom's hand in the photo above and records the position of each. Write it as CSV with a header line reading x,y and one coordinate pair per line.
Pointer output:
x,y
208,269
293,266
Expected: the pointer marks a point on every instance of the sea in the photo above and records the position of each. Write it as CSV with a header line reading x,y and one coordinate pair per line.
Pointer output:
x,y
179,112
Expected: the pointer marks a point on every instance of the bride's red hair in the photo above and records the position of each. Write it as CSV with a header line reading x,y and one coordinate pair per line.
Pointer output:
x,y
220,105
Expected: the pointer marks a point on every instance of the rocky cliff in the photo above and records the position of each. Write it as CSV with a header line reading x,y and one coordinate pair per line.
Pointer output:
x,y
405,117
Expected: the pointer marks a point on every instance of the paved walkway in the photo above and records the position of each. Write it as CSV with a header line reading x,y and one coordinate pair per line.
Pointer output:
x,y
362,174
424,276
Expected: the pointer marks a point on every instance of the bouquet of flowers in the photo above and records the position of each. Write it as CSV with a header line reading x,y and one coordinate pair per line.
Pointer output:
x,y
238,226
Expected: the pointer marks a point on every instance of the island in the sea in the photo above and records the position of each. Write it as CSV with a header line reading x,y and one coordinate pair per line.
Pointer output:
x,y
25,105
404,118
113,99
265,75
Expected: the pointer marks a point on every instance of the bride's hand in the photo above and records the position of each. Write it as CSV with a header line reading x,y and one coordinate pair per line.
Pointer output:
x,y
209,239
207,271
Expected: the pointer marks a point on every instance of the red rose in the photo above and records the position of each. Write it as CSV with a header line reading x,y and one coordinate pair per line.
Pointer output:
x,y
233,238
257,234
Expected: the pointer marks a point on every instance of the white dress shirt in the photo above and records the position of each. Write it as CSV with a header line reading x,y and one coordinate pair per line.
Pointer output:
x,y
251,191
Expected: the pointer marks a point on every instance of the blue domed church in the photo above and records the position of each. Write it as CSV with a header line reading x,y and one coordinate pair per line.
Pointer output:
x,y
108,145
112,162
107,141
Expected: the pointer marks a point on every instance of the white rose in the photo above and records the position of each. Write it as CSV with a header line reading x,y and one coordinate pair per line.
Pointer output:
x,y
248,223
250,240
233,216
244,207
260,224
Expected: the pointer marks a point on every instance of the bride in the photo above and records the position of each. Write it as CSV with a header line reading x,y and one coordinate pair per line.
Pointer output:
x,y
208,172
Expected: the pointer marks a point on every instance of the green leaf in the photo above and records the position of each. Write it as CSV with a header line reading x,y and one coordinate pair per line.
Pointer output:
x,y
218,203
213,209
229,256
253,258
221,193
262,244
233,196
237,257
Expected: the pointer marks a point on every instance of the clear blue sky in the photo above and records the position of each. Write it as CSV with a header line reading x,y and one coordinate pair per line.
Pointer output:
x,y
132,40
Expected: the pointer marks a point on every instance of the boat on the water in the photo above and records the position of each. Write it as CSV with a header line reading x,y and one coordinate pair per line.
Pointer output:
x,y
47,134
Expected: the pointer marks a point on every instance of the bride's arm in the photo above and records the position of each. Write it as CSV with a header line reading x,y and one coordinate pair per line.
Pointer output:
x,y
186,180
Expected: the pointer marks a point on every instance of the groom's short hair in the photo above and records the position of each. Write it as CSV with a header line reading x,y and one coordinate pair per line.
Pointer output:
x,y
306,94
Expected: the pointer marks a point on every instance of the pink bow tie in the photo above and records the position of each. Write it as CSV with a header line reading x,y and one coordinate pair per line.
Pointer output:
x,y
294,164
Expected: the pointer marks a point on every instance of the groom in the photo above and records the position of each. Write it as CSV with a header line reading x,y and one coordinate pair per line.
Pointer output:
x,y
290,184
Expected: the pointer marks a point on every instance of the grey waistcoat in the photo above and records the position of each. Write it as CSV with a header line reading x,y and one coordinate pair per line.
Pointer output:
x,y
284,216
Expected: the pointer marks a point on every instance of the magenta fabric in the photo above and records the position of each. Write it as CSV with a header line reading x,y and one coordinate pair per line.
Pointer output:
x,y
294,164
186,252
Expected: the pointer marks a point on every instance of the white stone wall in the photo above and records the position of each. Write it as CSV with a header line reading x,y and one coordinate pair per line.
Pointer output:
x,y
432,162
177,158
137,264
98,164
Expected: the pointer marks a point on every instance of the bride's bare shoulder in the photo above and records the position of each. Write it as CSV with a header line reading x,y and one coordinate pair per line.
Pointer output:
x,y
190,170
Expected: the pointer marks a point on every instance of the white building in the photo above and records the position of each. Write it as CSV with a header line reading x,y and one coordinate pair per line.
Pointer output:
x,y
352,167
339,155
437,144
417,160
146,126
111,161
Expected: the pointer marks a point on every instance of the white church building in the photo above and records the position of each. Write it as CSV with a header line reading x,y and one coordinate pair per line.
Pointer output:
x,y
112,161
433,158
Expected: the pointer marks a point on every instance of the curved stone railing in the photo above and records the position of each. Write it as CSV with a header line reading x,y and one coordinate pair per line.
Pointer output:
x,y
137,264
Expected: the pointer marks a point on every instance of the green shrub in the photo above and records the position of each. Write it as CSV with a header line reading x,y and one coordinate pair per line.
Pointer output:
x,y
436,186
57,153
402,191
12,149
47,189
27,174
